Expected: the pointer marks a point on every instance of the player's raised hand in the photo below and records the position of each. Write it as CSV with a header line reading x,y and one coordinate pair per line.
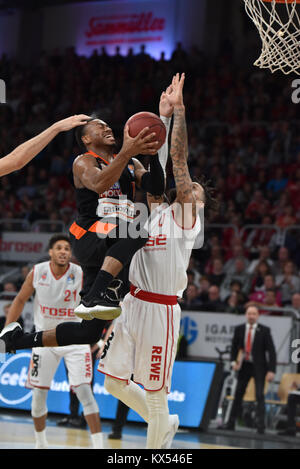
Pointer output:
x,y
166,108
175,96
143,144
71,122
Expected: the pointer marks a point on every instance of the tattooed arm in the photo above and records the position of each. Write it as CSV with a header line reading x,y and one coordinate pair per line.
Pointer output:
x,y
186,208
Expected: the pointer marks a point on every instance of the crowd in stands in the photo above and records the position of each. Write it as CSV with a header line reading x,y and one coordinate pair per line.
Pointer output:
x,y
244,135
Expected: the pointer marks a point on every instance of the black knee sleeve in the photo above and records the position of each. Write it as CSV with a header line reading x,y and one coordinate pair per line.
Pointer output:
x,y
124,249
85,332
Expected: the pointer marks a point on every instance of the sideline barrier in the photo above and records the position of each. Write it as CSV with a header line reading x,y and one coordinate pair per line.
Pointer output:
x,y
190,395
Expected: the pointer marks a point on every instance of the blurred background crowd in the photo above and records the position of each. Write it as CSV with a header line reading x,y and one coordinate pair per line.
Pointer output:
x,y
243,136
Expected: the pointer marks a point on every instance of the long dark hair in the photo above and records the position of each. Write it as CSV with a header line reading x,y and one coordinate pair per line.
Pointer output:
x,y
211,204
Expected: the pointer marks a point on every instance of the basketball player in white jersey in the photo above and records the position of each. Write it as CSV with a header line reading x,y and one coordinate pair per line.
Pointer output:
x,y
57,284
25,152
144,339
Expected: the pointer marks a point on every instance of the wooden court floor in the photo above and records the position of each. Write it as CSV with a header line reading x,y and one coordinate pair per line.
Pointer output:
x,y
17,432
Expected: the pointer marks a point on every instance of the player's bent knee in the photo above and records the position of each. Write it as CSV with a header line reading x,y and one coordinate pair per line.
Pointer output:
x,y
87,399
113,385
38,405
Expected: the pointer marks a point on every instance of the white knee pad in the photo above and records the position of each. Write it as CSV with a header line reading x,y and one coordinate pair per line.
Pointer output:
x,y
87,399
38,405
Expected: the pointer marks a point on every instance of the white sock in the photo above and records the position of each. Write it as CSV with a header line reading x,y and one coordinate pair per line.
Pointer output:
x,y
97,439
158,422
40,439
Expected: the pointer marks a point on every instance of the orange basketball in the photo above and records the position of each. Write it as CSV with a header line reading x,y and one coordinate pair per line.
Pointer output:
x,y
139,121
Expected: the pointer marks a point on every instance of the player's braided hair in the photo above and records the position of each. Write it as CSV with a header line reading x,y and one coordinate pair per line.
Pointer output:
x,y
211,204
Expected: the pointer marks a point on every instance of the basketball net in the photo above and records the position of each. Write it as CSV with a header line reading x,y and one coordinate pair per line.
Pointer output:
x,y
278,24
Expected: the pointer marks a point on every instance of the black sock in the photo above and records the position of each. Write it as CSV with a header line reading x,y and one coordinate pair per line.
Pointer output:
x,y
100,285
28,340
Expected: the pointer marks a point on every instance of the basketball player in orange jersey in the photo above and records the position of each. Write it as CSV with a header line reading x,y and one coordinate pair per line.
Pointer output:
x,y
104,186
145,336
105,192
56,285
25,152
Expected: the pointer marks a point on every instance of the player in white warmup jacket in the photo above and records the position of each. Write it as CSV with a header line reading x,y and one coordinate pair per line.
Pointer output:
x,y
144,338
57,284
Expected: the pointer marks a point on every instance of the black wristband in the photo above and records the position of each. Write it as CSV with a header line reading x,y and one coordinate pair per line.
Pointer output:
x,y
153,181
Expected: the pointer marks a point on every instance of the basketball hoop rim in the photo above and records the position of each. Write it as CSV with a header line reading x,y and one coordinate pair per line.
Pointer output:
x,y
281,1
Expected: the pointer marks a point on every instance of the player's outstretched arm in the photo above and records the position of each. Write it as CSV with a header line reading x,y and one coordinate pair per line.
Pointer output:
x,y
19,301
25,152
179,143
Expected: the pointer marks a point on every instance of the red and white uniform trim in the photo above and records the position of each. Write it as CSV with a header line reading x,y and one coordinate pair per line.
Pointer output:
x,y
146,333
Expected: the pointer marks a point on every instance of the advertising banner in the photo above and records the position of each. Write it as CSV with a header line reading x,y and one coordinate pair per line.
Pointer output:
x,y
90,26
23,247
191,384
206,331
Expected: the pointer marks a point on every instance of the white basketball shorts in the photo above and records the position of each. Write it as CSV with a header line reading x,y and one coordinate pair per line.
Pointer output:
x,y
143,343
45,360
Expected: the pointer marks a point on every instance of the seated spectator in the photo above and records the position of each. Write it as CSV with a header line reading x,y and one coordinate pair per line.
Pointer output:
x,y
264,255
235,303
25,269
287,218
279,181
238,274
214,303
288,283
9,290
261,270
237,252
259,237
231,235
269,284
3,318
217,276
295,303
283,256
215,253
203,289
256,208
269,301
191,298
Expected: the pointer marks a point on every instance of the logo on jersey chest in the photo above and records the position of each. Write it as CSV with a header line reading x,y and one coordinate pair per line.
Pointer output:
x,y
43,279
114,191
71,278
